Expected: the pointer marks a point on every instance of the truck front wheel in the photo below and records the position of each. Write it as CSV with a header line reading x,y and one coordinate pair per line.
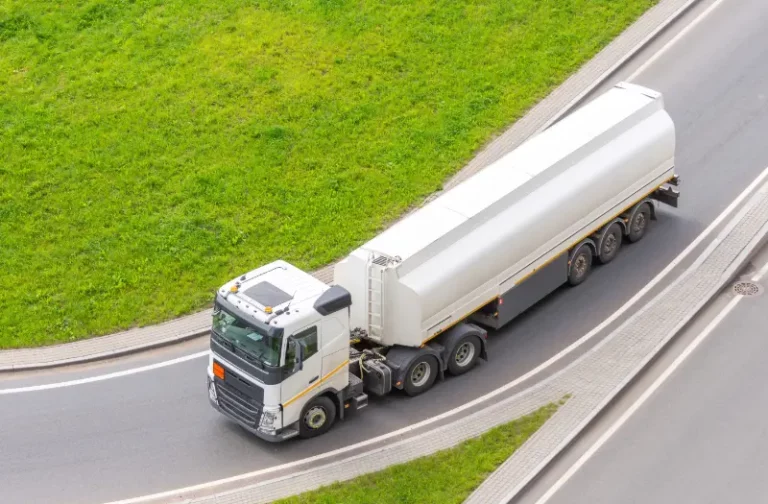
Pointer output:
x,y
421,375
317,418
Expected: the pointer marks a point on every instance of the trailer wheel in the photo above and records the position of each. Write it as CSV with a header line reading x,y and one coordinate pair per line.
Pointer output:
x,y
317,417
580,265
421,375
464,355
639,222
610,243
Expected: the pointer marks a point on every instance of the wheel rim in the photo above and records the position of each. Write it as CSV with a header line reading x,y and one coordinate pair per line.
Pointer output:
x,y
465,353
609,247
420,374
580,265
639,224
315,418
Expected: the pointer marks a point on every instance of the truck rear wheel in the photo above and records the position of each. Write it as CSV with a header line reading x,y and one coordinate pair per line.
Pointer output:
x,y
464,355
421,375
639,222
317,418
610,243
580,265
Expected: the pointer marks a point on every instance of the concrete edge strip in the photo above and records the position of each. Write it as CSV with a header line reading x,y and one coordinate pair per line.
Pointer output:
x,y
727,276
536,114
106,354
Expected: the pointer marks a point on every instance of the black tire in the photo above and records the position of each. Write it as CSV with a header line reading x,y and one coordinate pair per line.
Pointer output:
x,y
580,266
464,355
421,375
610,243
317,418
639,223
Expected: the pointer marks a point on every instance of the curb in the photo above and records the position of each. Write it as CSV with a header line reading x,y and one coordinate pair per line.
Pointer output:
x,y
557,104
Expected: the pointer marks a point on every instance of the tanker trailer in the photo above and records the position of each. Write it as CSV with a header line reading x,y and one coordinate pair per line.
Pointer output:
x,y
290,354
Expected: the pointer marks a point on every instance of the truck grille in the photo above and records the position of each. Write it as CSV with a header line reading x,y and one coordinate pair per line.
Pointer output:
x,y
237,404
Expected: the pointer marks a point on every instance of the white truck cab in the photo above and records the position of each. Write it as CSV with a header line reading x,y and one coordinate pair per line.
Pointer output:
x,y
279,338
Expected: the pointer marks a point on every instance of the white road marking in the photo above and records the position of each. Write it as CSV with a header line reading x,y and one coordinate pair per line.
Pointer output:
x,y
650,61
479,400
653,388
92,379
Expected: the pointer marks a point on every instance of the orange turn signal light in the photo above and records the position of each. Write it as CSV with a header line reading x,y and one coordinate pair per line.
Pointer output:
x,y
218,371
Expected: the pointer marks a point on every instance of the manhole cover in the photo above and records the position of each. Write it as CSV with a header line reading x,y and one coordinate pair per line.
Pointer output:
x,y
747,288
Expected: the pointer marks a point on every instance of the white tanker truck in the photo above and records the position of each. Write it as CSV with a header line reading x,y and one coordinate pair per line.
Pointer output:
x,y
290,355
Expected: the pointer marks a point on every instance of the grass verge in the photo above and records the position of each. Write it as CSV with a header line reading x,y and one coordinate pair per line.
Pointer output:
x,y
446,477
150,150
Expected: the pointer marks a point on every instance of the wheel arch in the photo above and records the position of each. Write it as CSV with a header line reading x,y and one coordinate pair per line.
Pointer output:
x,y
589,242
336,397
399,359
446,341
598,236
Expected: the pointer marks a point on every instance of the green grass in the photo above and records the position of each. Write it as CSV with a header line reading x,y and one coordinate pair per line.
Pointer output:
x,y
151,150
446,477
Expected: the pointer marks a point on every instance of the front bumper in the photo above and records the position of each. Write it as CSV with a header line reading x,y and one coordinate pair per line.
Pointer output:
x,y
236,412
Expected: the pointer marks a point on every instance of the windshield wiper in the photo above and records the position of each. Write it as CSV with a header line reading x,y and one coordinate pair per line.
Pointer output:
x,y
250,356
224,341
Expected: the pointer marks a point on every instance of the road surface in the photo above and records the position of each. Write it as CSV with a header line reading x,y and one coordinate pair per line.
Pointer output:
x,y
154,431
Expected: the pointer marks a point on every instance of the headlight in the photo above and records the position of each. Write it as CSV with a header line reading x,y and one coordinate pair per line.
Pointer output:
x,y
268,417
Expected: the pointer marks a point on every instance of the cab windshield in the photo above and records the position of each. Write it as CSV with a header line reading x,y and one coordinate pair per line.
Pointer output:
x,y
248,341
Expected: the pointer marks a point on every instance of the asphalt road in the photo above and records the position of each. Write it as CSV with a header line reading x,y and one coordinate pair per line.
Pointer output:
x,y
155,431
701,437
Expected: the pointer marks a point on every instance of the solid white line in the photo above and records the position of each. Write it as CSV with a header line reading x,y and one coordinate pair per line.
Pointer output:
x,y
92,379
650,61
653,388
618,313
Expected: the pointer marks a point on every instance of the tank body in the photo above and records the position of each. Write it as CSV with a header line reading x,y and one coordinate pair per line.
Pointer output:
x,y
462,250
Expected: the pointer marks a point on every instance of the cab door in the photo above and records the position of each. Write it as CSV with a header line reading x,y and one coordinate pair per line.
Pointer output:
x,y
294,390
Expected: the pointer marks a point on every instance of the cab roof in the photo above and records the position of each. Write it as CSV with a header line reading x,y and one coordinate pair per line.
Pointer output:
x,y
264,291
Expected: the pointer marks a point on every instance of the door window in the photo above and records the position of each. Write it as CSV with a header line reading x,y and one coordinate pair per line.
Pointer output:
x,y
306,338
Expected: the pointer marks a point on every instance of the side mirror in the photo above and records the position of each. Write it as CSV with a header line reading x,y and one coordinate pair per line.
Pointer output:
x,y
298,352
300,355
